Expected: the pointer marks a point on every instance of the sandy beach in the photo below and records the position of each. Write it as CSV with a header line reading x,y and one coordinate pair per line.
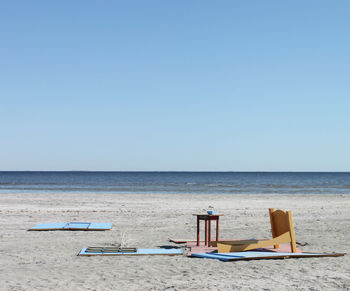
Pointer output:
x,y
49,261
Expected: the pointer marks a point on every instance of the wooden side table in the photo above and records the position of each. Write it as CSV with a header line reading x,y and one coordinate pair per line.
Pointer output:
x,y
207,221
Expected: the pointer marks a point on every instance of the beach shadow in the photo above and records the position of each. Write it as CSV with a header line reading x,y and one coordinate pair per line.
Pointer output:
x,y
168,247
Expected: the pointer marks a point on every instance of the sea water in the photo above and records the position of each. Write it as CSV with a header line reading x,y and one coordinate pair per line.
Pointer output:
x,y
176,182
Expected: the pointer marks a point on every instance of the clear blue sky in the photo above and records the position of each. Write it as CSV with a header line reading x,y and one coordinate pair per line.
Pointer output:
x,y
175,85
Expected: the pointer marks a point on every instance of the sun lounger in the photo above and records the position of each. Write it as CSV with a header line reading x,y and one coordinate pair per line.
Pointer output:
x,y
115,251
72,226
282,228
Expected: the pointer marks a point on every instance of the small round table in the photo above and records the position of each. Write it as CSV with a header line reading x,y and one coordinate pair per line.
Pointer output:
x,y
207,220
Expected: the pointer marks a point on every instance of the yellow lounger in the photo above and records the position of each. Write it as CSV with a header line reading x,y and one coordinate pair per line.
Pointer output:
x,y
282,232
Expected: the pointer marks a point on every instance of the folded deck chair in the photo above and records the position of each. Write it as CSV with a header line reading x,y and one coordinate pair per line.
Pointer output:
x,y
282,232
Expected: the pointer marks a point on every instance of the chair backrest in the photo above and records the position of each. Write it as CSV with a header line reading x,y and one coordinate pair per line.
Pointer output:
x,y
282,222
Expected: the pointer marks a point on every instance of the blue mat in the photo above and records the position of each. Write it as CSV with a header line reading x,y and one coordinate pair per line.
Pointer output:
x,y
73,226
236,256
139,252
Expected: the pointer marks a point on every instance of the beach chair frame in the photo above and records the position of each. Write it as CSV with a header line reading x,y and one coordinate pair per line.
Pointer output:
x,y
282,229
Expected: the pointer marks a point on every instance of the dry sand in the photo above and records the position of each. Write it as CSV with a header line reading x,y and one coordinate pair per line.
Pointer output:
x,y
49,261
